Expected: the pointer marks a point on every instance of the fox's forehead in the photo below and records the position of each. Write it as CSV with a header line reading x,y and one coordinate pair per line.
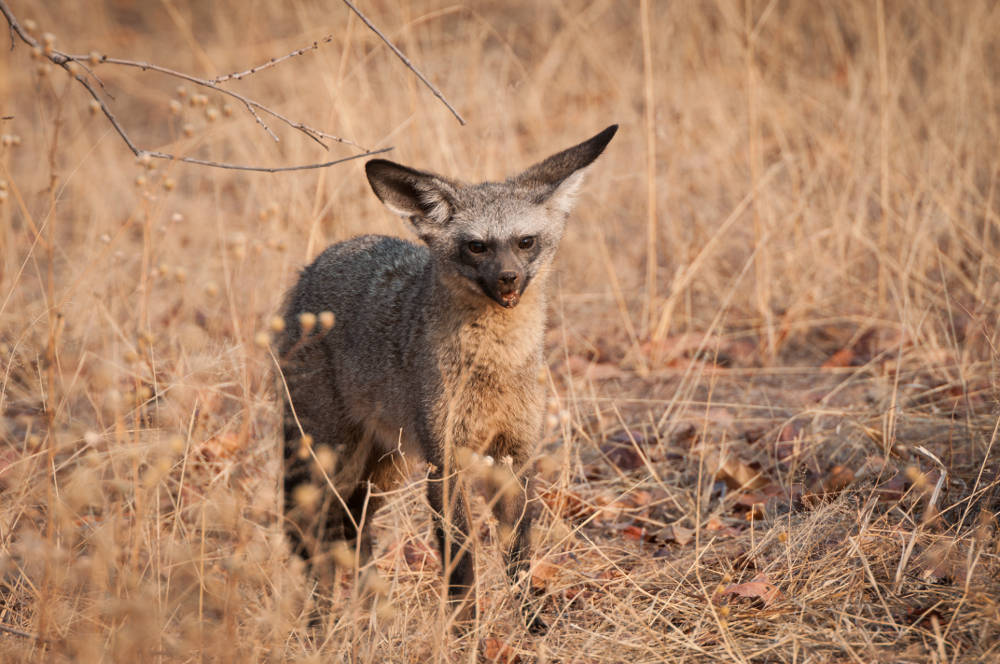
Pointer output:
x,y
497,211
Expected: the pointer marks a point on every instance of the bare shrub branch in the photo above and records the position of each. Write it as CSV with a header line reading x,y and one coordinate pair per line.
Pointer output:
x,y
273,61
7,629
64,61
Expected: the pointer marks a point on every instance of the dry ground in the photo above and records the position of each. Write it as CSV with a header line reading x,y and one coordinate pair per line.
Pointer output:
x,y
773,359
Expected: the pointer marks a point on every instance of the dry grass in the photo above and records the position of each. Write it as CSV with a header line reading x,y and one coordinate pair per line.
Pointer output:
x,y
791,180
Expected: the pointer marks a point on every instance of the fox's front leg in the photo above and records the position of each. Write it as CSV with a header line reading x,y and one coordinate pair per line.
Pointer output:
x,y
452,531
514,509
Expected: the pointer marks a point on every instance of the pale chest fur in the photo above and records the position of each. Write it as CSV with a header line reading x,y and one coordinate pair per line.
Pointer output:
x,y
491,396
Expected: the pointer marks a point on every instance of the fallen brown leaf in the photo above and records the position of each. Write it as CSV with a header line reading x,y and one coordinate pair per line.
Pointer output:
x,y
734,472
635,533
565,504
541,573
760,588
495,650
840,478
681,534
789,432
751,498
754,502
842,358
714,525
640,497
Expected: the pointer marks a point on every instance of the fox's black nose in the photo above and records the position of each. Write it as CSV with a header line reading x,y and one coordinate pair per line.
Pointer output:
x,y
507,278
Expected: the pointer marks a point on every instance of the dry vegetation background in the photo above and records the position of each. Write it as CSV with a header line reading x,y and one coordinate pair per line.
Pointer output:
x,y
773,359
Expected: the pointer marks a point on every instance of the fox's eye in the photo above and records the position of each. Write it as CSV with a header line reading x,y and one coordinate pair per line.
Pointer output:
x,y
526,242
476,247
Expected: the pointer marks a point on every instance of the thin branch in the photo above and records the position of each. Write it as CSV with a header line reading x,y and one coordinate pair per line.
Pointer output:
x,y
406,61
97,78
273,61
204,162
16,632
64,59
314,134
261,122
262,169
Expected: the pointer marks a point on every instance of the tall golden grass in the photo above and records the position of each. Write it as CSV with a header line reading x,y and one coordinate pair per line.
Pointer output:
x,y
794,184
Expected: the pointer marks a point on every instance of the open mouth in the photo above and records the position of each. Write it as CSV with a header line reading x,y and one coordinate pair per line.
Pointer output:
x,y
509,300
506,295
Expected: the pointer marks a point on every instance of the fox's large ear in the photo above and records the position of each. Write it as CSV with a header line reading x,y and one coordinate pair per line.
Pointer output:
x,y
411,193
556,180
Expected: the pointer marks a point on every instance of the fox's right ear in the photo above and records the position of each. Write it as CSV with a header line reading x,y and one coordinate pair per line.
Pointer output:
x,y
411,193
556,180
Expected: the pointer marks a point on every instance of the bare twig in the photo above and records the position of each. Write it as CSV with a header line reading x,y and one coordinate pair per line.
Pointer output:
x,y
273,61
261,122
406,61
16,632
263,169
63,60
314,134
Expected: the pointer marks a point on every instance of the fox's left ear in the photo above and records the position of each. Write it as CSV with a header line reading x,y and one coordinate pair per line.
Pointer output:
x,y
556,180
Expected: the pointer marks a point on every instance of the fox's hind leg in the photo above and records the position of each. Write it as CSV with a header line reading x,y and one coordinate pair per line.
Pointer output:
x,y
382,472
324,481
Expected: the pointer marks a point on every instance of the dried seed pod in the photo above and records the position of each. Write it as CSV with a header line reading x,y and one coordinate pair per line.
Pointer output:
x,y
307,497
326,458
305,446
307,320
341,553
